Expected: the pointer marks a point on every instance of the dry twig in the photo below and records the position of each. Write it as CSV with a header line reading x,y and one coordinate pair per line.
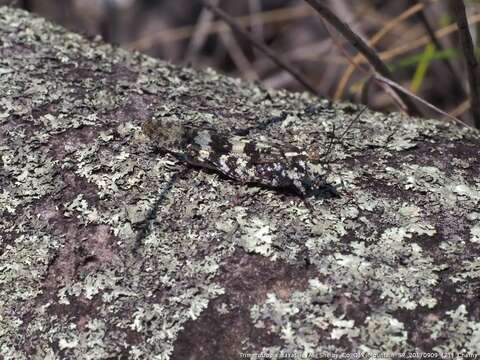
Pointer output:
x,y
361,46
260,46
185,32
256,22
313,51
471,61
199,36
389,90
438,45
400,88
238,56
375,39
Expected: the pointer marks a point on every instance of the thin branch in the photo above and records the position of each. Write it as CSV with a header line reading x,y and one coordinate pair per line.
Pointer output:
x,y
461,109
388,89
393,89
238,57
319,48
261,47
438,45
400,88
360,45
184,32
424,40
374,40
471,61
199,36
313,51
256,23
366,90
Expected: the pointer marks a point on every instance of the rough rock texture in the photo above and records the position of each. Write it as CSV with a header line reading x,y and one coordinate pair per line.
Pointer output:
x,y
109,249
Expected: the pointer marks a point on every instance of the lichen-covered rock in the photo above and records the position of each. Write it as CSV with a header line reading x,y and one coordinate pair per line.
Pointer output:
x,y
109,249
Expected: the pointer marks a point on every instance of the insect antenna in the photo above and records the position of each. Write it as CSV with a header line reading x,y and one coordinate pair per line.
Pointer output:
x,y
334,140
338,140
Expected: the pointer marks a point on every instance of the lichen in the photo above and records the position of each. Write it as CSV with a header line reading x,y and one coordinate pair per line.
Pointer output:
x,y
109,249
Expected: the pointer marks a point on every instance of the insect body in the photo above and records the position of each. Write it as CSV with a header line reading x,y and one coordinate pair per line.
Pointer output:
x,y
239,158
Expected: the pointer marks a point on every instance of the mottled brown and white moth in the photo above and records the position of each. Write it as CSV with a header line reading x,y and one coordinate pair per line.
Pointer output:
x,y
239,158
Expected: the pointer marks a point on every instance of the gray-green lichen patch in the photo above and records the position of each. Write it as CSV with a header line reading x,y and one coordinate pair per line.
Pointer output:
x,y
109,249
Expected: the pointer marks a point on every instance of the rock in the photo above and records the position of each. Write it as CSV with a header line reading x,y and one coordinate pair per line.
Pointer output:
x,y
110,249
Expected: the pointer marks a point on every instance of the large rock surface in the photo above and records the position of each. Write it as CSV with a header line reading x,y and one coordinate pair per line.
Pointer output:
x,y
109,249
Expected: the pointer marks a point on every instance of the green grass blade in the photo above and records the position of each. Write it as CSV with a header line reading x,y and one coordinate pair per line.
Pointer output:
x,y
422,67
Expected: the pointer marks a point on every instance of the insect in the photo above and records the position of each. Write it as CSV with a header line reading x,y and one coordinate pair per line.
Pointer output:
x,y
242,159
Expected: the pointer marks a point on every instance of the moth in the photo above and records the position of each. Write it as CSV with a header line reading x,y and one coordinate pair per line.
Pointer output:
x,y
242,159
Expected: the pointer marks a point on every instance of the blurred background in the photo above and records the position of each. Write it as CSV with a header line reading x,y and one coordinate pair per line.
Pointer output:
x,y
417,40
